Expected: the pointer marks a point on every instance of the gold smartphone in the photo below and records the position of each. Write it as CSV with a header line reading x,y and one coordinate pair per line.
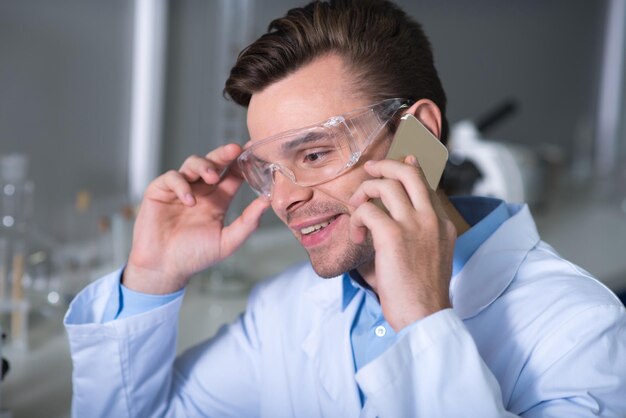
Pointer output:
x,y
413,138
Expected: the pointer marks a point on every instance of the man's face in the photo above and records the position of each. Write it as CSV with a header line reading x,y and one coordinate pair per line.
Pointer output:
x,y
310,95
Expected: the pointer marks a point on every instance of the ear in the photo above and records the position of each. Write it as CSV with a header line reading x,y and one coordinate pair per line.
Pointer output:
x,y
427,112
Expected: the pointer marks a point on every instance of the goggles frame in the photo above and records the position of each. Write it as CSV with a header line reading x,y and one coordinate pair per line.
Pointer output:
x,y
260,174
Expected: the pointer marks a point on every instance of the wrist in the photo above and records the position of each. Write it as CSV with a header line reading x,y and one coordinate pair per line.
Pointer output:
x,y
151,281
405,314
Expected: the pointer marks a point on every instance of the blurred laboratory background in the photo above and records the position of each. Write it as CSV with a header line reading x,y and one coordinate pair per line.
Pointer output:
x,y
99,97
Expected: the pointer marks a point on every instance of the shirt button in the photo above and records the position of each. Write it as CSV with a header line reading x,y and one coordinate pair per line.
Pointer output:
x,y
380,331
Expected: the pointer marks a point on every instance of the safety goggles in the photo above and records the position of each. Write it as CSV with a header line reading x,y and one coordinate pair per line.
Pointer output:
x,y
318,153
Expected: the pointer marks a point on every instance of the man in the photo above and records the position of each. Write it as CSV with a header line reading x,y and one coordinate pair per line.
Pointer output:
x,y
432,307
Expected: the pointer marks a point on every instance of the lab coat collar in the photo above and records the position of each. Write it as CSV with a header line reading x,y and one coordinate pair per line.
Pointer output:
x,y
492,268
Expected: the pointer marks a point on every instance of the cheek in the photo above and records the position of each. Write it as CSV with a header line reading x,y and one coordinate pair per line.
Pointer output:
x,y
343,187
378,150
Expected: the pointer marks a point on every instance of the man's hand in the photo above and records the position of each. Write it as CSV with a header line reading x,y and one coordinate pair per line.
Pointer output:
x,y
414,241
180,227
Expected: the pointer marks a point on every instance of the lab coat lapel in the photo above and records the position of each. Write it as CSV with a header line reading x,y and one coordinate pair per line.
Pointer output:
x,y
328,344
493,266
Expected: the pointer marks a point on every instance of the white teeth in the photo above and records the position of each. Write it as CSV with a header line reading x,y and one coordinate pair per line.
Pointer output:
x,y
313,228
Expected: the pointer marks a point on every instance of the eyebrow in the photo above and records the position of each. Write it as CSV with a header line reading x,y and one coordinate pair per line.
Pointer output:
x,y
308,137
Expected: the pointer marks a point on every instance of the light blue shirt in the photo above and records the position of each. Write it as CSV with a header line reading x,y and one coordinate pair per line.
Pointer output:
x,y
129,303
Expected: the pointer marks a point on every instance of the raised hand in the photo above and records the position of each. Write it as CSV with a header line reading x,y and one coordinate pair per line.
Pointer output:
x,y
180,226
414,240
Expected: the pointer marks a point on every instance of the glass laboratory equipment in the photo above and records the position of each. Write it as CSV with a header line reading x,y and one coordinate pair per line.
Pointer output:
x,y
16,210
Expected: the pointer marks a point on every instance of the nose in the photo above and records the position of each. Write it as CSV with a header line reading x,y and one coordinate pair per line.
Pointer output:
x,y
287,195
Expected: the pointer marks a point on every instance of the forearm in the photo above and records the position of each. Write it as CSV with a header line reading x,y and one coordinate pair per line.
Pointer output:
x,y
122,367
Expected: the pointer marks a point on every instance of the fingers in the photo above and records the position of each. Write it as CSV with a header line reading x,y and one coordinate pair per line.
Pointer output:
x,y
391,192
370,217
171,186
223,159
407,173
224,155
211,170
401,186
195,168
405,193
241,228
212,166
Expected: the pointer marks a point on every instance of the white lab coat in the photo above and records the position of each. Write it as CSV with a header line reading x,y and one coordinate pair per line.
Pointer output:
x,y
529,333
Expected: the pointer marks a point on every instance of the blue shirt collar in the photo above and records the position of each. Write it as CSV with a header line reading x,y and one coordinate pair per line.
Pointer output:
x,y
351,287
484,215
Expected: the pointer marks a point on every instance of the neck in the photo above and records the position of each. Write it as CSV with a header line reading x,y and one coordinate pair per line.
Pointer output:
x,y
368,271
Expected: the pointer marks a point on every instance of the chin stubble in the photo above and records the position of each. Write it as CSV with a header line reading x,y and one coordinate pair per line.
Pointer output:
x,y
355,255
324,262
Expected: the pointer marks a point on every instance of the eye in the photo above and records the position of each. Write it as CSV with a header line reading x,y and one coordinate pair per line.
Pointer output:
x,y
315,156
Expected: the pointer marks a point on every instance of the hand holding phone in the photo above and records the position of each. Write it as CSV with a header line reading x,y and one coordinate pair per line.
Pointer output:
x,y
414,242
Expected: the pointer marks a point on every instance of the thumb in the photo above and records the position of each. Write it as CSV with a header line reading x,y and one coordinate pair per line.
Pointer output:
x,y
240,229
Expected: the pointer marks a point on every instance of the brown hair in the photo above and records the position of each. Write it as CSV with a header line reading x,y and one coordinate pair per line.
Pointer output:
x,y
387,50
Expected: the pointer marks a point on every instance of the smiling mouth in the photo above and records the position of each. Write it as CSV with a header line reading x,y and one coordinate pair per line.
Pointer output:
x,y
317,227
